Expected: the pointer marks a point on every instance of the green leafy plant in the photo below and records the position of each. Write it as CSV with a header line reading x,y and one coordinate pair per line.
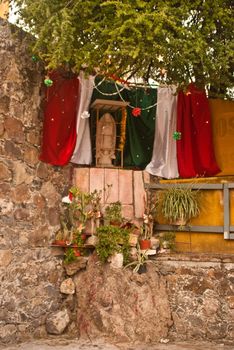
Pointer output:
x,y
180,203
140,262
113,213
112,239
167,240
69,256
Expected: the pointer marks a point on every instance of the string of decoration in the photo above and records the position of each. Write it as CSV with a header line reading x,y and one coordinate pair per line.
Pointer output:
x,y
123,129
142,109
107,93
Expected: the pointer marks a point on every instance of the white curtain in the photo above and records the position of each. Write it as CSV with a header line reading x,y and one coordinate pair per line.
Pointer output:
x,y
164,159
83,152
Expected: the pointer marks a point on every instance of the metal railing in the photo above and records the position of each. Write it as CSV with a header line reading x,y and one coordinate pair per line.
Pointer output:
x,y
226,229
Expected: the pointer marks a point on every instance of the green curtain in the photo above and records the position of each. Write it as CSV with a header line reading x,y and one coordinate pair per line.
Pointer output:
x,y
140,130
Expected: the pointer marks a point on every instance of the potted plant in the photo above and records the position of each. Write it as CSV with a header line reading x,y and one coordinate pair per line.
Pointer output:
x,y
111,240
145,235
113,214
63,236
148,221
167,240
180,204
141,262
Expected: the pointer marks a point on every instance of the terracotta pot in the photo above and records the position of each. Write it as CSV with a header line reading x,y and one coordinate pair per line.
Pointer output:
x,y
76,252
145,244
61,242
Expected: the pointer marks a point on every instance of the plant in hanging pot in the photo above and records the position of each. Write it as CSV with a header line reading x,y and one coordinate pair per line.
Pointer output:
x,y
180,204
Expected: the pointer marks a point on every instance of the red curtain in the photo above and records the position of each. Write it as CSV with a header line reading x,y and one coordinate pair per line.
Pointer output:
x,y
195,153
59,127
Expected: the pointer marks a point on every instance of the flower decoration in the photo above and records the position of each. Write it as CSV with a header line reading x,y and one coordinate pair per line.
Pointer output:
x,y
66,200
136,112
48,82
177,135
35,58
85,115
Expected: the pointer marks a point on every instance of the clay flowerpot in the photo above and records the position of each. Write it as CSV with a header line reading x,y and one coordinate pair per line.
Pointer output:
x,y
61,243
76,252
145,244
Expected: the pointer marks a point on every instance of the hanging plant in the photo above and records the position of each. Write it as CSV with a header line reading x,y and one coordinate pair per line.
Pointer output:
x,y
180,204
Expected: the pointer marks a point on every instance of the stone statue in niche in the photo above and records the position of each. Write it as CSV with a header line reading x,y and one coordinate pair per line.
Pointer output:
x,y
105,140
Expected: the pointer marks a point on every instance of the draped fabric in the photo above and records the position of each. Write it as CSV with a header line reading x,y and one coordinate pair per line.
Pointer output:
x,y
195,154
59,126
164,158
140,130
83,150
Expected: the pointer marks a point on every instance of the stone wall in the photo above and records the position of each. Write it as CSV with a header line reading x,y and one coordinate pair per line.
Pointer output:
x,y
177,298
201,296
30,193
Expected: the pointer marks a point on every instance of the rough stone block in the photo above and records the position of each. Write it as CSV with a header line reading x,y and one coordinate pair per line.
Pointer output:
x,y
5,173
67,286
14,129
74,267
8,333
5,257
57,322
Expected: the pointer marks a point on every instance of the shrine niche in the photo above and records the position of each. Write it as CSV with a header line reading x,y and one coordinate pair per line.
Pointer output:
x,y
108,127
105,140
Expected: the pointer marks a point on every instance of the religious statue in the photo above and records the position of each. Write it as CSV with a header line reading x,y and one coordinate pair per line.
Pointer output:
x,y
105,140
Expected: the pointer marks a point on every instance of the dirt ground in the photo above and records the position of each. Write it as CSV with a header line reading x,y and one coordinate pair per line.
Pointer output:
x,y
77,345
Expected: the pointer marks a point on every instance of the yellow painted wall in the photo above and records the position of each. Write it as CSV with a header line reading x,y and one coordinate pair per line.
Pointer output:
x,y
211,214
4,9
222,113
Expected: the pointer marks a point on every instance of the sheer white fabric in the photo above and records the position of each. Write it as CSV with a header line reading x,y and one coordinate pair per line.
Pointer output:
x,y
83,152
164,159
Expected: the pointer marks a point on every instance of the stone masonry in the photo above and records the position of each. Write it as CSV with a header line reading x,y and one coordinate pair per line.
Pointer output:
x,y
178,298
30,193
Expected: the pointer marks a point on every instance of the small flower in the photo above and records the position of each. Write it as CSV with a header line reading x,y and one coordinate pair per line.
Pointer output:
x,y
85,115
70,195
136,112
177,135
66,200
48,82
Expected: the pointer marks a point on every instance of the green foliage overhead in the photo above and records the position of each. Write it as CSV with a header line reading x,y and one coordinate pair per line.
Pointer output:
x,y
190,40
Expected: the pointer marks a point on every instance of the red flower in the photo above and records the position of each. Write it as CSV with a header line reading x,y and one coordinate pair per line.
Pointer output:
x,y
136,112
70,196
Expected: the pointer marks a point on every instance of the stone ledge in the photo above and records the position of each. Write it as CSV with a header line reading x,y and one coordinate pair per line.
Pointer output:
x,y
218,258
